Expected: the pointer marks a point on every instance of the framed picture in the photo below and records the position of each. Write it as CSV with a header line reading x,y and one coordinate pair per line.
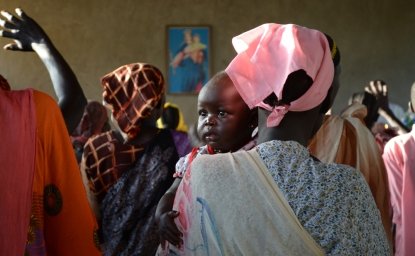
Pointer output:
x,y
188,58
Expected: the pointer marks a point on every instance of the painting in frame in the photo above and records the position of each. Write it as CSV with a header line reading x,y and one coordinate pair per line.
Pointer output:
x,y
188,55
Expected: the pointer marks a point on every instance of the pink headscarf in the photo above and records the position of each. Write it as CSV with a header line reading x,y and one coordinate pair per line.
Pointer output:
x,y
268,54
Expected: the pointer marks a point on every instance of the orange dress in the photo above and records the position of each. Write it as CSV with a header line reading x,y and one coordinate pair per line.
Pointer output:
x,y
345,139
61,221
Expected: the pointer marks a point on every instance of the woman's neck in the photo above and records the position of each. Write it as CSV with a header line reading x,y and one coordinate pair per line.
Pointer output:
x,y
295,126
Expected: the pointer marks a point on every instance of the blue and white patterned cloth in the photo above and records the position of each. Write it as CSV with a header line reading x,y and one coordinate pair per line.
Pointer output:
x,y
333,202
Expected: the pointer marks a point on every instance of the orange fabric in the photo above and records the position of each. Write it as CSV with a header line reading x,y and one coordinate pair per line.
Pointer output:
x,y
346,140
62,222
17,165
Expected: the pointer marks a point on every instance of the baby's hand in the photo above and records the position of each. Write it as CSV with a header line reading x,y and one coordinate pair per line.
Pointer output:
x,y
168,230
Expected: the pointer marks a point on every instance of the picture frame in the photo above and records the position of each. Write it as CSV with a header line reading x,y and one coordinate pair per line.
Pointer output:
x,y
188,58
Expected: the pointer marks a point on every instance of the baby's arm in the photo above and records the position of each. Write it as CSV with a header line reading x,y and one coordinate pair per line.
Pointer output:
x,y
165,217
164,214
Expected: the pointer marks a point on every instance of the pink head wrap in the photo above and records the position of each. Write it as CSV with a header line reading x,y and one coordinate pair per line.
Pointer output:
x,y
268,54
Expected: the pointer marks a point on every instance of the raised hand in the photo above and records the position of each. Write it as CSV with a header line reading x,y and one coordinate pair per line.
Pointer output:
x,y
379,89
29,36
25,32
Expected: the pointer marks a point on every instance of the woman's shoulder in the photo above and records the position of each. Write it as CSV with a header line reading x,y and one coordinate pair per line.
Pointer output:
x,y
44,102
342,174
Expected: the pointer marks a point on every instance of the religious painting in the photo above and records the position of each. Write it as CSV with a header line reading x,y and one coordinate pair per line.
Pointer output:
x,y
188,65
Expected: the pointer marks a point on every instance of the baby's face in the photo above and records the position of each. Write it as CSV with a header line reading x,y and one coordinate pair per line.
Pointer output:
x,y
224,119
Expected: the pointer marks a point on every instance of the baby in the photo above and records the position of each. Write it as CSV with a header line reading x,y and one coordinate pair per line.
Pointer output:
x,y
225,124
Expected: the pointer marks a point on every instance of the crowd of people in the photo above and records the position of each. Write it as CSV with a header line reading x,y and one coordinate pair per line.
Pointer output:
x,y
264,171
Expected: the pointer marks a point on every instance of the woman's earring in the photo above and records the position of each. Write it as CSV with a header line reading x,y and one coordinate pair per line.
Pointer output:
x,y
254,132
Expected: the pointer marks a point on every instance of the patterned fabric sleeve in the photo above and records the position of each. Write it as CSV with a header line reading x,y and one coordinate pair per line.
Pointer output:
x,y
184,162
105,159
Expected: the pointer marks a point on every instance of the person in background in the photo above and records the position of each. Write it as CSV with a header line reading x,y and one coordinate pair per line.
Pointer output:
x,y
409,118
277,199
172,118
399,157
389,113
346,139
129,169
372,106
94,121
390,116
381,131
44,205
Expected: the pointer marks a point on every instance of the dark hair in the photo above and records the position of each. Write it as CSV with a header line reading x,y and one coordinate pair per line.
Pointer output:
x,y
335,56
170,117
297,83
335,52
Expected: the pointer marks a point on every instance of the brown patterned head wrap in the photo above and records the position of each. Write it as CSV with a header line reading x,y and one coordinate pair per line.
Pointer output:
x,y
105,159
4,85
133,91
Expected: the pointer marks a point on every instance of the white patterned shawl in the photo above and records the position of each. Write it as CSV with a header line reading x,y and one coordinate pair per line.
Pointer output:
x,y
230,205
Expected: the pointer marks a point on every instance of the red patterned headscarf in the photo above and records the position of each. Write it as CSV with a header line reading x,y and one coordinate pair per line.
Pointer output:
x,y
4,85
133,91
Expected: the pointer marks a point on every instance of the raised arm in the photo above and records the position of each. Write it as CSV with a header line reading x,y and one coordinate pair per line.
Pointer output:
x,y
29,36
380,90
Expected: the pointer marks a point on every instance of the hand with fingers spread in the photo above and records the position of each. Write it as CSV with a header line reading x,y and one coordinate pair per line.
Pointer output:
x,y
29,36
379,89
25,32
